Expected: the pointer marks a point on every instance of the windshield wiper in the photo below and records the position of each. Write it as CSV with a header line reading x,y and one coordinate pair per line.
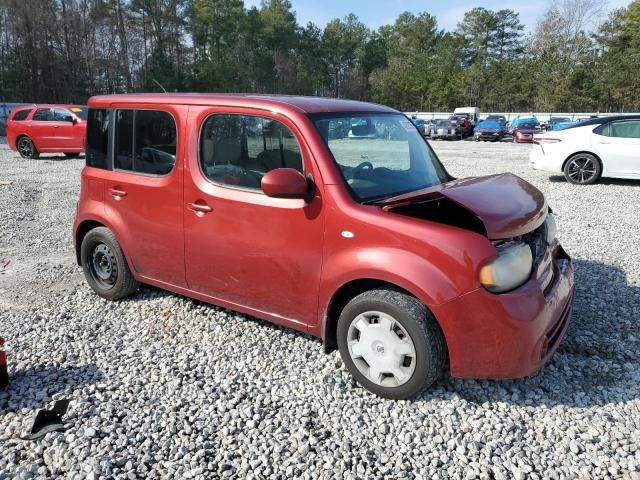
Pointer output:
x,y
377,199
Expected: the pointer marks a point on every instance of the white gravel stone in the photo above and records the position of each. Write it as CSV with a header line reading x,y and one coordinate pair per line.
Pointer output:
x,y
164,386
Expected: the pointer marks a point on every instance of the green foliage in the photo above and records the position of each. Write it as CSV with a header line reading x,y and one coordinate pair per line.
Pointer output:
x,y
68,50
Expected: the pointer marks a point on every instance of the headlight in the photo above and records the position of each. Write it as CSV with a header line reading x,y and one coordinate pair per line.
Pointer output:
x,y
551,227
510,270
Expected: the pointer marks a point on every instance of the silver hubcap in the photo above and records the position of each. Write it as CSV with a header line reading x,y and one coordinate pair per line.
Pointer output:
x,y
581,169
381,349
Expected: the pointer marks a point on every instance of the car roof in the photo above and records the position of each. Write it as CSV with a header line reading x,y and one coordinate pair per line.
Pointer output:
x,y
601,120
266,102
50,105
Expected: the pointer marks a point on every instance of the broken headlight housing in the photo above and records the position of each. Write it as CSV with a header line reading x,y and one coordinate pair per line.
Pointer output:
x,y
510,269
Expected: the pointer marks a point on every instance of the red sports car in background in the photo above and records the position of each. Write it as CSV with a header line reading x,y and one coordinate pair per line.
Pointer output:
x,y
47,129
464,123
525,131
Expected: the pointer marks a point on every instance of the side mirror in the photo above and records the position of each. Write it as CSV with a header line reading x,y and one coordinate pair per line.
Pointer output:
x,y
285,183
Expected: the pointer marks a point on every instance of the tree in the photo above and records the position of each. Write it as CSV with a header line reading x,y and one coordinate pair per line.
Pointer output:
x,y
343,41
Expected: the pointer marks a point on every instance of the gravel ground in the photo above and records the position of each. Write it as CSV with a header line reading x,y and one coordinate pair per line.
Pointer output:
x,y
161,385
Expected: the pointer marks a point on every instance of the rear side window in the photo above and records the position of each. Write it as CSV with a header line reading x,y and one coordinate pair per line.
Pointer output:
x,y
626,129
603,130
145,141
237,150
21,115
98,138
43,115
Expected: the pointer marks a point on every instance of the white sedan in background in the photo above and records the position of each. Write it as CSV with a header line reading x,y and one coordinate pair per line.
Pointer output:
x,y
586,151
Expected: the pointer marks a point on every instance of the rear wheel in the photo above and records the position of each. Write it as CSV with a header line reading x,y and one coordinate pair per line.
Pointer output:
x,y
27,149
105,266
390,343
582,169
72,155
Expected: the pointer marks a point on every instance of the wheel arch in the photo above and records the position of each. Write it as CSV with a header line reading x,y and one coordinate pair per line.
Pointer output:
x,y
345,293
595,155
81,231
22,135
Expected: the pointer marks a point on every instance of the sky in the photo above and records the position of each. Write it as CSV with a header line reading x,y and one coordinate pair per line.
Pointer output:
x,y
375,13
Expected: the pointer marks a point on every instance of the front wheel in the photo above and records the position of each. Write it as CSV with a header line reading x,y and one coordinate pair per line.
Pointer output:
x,y
390,343
582,169
105,266
27,149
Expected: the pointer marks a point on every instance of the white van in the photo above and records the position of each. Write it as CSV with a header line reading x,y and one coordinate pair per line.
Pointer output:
x,y
473,112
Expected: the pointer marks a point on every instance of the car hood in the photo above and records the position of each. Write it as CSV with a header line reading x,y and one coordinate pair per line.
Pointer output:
x,y
506,205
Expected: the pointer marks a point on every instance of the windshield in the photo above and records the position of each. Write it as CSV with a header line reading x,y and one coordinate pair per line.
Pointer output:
x,y
528,126
443,123
489,124
385,157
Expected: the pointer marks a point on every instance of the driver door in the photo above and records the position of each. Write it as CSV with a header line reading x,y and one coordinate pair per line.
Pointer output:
x,y
250,251
63,129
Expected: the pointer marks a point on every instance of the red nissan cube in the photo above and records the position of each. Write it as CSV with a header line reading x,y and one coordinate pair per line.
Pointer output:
x,y
331,217
47,129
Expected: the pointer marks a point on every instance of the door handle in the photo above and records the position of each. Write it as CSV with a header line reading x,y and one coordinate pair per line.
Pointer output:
x,y
200,208
56,126
117,193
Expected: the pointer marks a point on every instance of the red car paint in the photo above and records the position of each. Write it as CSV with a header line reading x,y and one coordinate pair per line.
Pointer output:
x,y
50,136
464,123
524,133
290,260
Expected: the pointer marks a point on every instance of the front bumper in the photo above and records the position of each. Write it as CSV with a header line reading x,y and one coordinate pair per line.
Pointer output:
x,y
513,334
487,136
523,138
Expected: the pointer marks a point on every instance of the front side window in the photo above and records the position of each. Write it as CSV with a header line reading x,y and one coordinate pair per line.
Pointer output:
x,y
97,138
62,115
81,112
382,156
21,115
237,150
625,129
145,141
43,115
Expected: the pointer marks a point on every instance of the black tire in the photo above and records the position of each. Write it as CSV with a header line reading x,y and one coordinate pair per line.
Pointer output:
x,y
27,149
105,266
582,169
72,155
417,321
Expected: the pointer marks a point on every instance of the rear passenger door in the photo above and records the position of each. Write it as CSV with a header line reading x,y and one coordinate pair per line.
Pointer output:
x,y
40,129
143,192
